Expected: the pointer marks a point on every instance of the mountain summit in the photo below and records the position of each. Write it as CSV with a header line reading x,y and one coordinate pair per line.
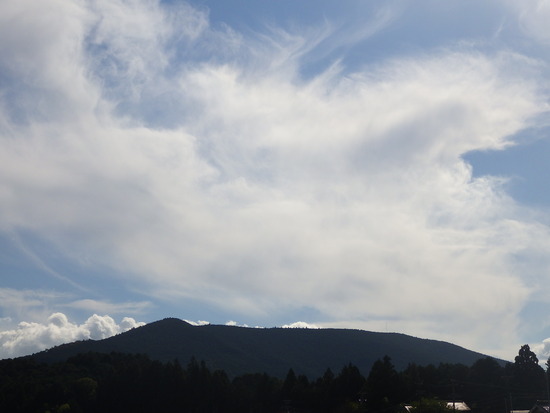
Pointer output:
x,y
239,350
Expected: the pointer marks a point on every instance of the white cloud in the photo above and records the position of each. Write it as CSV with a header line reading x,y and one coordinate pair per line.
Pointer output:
x,y
236,324
128,323
300,324
178,154
20,301
533,16
542,350
31,337
24,304
110,308
197,323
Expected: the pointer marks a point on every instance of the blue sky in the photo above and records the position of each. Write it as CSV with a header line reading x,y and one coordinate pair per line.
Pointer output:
x,y
362,164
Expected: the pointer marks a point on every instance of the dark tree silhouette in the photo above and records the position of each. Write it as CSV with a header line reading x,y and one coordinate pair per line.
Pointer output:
x,y
118,382
528,378
383,385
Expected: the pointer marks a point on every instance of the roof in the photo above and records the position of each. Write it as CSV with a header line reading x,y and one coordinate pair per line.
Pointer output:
x,y
459,405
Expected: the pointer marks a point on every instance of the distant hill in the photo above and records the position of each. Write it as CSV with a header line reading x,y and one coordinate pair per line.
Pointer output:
x,y
239,350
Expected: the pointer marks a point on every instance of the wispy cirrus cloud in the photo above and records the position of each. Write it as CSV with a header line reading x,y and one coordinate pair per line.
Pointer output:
x,y
36,305
532,17
17,304
200,163
99,306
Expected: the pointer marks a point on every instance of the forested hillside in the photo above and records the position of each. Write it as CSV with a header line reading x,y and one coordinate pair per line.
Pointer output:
x,y
239,350
115,382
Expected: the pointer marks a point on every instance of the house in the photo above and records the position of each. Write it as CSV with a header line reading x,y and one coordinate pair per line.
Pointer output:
x,y
457,405
541,406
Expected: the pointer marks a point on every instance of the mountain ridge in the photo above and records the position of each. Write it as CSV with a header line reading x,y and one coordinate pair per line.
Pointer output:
x,y
241,350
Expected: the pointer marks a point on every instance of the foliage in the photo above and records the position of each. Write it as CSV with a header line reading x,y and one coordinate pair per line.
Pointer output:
x,y
383,385
528,376
118,382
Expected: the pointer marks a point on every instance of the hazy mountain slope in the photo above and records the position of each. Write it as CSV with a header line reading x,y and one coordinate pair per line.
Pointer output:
x,y
239,350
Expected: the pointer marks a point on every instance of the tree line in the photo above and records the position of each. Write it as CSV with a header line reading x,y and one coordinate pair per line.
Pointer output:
x,y
117,382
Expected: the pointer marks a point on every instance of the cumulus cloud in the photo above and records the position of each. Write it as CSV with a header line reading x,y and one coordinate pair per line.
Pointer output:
x,y
236,324
300,324
542,350
203,164
198,323
31,337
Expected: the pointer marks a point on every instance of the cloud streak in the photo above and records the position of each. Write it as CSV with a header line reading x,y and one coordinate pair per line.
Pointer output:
x,y
201,163
110,308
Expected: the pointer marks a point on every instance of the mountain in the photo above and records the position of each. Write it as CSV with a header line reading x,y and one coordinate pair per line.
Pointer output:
x,y
239,350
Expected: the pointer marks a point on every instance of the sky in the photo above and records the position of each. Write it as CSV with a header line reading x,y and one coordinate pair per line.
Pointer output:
x,y
378,165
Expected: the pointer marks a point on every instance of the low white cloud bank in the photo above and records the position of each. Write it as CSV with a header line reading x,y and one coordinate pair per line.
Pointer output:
x,y
198,323
31,337
202,165
300,324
